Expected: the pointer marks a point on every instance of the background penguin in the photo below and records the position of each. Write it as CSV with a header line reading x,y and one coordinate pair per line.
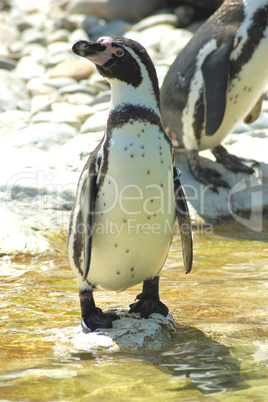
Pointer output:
x,y
216,81
128,193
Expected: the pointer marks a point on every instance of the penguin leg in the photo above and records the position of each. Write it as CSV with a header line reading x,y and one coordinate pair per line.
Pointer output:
x,y
232,162
207,176
92,316
148,301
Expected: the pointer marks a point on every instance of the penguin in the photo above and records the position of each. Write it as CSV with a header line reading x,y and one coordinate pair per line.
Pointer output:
x,y
216,81
129,193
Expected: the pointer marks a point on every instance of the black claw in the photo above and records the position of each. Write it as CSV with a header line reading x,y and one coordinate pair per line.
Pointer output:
x,y
92,316
146,307
97,320
148,301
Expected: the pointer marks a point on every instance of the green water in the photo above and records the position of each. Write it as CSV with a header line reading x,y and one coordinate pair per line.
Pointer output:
x,y
219,352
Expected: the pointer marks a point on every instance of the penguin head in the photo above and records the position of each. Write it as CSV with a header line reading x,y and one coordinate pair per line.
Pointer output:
x,y
118,58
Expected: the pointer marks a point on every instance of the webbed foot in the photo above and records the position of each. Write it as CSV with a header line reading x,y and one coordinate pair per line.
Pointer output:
x,y
97,319
207,176
92,316
232,162
148,301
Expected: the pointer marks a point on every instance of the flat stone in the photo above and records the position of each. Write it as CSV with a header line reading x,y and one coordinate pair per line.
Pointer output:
x,y
97,122
13,90
75,88
7,64
16,238
75,68
27,68
162,19
130,333
112,10
117,28
40,135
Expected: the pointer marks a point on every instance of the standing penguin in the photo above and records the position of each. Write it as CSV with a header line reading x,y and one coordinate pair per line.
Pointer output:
x,y
129,192
216,81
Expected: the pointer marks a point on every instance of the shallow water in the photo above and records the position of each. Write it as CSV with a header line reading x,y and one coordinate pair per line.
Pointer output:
x,y
219,352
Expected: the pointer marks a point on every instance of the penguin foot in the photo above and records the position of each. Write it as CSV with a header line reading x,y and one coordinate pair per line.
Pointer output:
x,y
97,319
207,176
232,162
92,316
148,301
147,307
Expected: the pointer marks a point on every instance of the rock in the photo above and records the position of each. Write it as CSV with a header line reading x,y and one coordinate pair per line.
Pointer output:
x,y
59,82
17,238
8,35
117,28
12,120
111,10
43,136
75,68
32,35
61,35
94,123
184,14
130,333
28,68
13,90
162,19
7,64
75,88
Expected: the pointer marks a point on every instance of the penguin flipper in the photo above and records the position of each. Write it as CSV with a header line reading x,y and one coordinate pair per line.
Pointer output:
x,y
255,112
87,197
215,70
183,216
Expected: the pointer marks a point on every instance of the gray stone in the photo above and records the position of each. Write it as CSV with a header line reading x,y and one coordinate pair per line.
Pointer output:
x,y
75,88
111,10
7,64
130,333
185,15
117,28
13,90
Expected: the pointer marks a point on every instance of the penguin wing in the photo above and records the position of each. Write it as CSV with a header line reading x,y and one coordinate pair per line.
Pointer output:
x,y
215,70
183,216
255,112
87,198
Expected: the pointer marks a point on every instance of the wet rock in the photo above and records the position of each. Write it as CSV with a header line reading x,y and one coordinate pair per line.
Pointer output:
x,y
78,69
111,10
13,90
130,333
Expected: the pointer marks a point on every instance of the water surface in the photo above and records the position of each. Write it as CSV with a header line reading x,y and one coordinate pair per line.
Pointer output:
x,y
219,352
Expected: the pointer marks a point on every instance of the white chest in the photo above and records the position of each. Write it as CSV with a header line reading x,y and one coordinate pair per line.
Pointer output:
x,y
134,209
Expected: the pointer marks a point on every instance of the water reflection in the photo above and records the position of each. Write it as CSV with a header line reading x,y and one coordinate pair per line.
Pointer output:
x,y
220,345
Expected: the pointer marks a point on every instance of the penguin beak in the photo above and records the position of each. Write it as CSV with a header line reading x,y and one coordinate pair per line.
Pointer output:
x,y
93,51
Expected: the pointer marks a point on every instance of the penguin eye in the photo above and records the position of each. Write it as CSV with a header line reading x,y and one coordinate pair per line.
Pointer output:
x,y
119,53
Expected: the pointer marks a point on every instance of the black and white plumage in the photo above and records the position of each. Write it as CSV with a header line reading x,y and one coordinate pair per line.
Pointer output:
x,y
128,193
215,82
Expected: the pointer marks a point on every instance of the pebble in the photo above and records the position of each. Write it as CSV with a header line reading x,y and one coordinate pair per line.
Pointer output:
x,y
54,106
